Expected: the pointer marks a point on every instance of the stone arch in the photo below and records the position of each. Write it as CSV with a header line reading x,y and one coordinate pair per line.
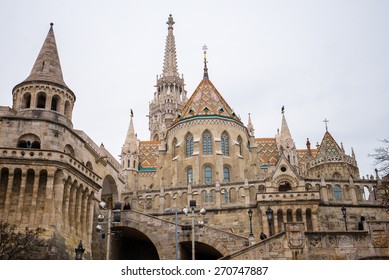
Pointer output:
x,y
29,140
15,193
233,195
41,198
280,220
241,193
145,231
89,165
27,201
68,149
41,100
214,243
299,215
26,101
110,190
55,103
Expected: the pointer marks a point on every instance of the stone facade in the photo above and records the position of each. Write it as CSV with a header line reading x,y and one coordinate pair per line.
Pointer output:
x,y
53,176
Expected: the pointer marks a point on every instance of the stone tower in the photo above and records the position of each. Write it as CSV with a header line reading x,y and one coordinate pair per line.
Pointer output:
x,y
44,93
170,95
285,142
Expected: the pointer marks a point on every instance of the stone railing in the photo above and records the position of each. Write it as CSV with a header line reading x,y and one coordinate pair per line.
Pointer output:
x,y
288,196
49,155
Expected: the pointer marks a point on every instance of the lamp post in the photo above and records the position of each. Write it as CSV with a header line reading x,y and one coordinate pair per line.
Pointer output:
x,y
344,212
192,205
79,251
116,210
269,214
250,212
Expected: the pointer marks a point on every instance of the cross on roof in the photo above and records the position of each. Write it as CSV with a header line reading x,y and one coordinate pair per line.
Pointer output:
x,y
326,121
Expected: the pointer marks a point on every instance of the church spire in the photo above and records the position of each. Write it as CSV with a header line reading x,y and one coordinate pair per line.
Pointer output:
x,y
250,126
170,59
170,94
285,141
47,66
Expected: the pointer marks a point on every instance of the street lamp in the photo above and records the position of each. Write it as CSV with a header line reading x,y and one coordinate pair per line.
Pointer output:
x,y
116,210
192,205
269,214
344,212
250,212
79,251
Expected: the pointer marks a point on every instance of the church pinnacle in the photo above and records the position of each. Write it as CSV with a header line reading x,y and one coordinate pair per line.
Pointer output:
x,y
170,59
205,48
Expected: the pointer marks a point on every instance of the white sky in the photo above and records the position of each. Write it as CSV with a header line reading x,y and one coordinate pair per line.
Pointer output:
x,y
320,59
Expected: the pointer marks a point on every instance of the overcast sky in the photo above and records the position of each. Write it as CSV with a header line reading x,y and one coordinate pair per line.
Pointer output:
x,y
319,59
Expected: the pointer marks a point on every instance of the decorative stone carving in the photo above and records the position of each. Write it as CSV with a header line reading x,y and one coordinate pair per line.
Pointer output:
x,y
295,235
379,238
345,241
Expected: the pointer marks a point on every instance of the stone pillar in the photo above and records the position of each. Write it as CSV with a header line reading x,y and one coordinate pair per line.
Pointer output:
x,y
65,206
34,199
49,202
72,207
84,211
19,208
77,215
7,201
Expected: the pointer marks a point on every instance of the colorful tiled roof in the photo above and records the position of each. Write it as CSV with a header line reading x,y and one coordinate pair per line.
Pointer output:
x,y
148,154
206,101
303,155
267,150
329,147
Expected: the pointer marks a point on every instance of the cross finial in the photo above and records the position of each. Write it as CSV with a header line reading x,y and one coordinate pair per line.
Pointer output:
x,y
205,48
326,121
170,22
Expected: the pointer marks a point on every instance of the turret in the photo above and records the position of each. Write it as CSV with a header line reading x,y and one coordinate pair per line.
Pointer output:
x,y
44,94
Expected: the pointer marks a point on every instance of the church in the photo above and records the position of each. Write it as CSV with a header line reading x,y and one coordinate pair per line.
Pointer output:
x,y
204,186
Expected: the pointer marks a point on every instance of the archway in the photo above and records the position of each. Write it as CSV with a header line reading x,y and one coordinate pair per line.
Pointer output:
x,y
109,193
131,244
202,251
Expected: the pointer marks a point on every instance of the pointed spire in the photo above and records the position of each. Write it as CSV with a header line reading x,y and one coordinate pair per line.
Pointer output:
x,y
250,126
205,48
285,133
170,59
131,139
47,66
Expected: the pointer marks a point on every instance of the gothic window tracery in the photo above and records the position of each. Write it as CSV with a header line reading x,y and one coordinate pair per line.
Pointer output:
x,y
207,143
208,175
225,145
189,145
337,193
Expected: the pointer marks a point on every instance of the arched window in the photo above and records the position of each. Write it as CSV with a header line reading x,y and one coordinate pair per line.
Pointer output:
x,y
366,193
41,100
189,175
207,143
89,165
208,175
189,145
174,144
284,186
26,103
226,174
54,103
225,145
208,196
69,150
226,195
337,193
239,140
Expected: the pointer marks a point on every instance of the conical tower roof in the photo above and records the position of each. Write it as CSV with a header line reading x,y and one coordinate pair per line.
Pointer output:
x,y
47,66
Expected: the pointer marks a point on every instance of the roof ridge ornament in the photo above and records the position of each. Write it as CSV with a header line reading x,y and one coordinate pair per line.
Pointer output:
x,y
205,48
326,121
